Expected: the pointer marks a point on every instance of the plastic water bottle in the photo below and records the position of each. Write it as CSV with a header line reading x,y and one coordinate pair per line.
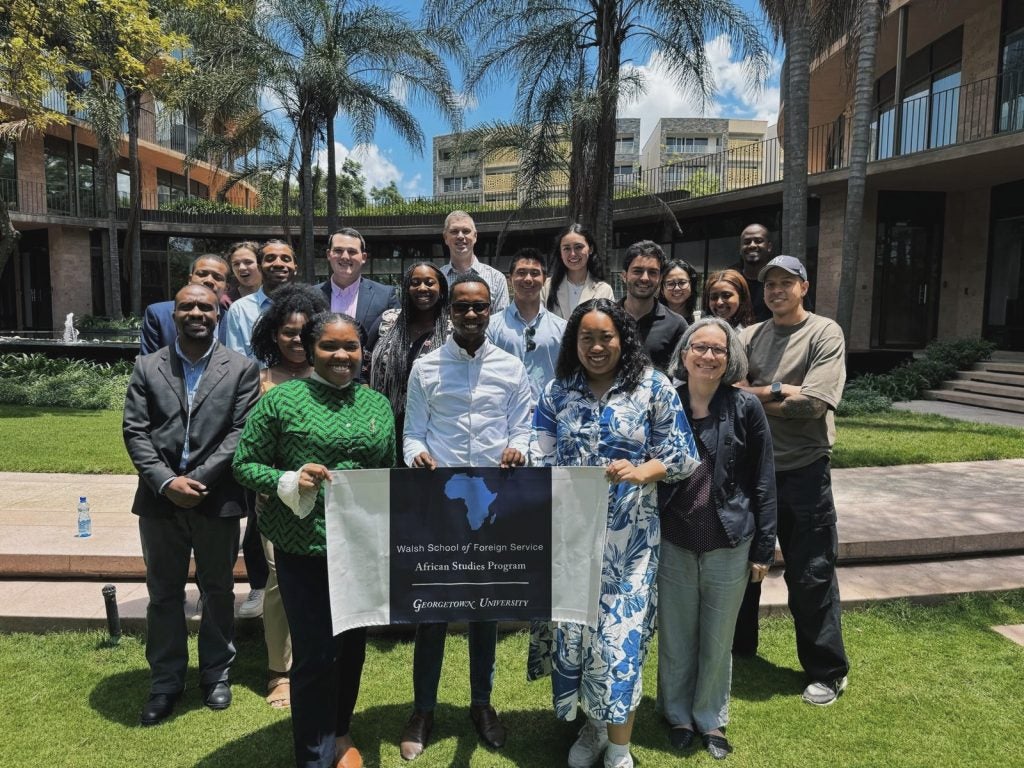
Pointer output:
x,y
84,518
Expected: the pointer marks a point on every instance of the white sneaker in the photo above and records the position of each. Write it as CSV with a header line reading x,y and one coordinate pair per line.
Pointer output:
x,y
821,694
623,762
591,743
253,605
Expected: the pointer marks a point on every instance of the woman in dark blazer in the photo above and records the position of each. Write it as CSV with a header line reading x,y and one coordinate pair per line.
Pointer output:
x,y
717,531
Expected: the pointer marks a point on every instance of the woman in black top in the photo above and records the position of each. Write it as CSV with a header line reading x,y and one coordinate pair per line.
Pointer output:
x,y
717,531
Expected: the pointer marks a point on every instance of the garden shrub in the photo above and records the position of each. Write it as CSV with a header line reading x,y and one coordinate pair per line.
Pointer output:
x,y
941,360
62,383
198,205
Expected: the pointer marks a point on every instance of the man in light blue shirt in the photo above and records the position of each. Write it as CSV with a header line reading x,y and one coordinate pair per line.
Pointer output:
x,y
278,267
526,329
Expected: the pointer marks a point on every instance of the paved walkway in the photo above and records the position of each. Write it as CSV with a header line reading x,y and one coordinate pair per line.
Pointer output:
x,y
963,412
921,531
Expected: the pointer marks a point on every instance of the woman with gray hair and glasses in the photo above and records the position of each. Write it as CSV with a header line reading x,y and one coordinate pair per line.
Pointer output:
x,y
717,531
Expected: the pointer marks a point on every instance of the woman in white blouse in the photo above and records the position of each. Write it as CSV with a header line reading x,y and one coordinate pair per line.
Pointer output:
x,y
576,273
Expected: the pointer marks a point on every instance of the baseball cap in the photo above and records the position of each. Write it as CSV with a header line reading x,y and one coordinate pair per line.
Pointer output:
x,y
791,264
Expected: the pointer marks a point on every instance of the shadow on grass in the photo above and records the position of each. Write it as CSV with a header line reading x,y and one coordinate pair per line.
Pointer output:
x,y
758,679
11,411
534,738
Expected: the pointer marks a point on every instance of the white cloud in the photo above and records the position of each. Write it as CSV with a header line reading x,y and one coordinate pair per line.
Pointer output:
x,y
733,96
377,167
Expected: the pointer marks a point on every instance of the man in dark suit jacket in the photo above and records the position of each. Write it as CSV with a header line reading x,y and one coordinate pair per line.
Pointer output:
x,y
349,292
158,328
183,414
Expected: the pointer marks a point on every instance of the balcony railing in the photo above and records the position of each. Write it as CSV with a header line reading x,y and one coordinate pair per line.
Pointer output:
x,y
951,116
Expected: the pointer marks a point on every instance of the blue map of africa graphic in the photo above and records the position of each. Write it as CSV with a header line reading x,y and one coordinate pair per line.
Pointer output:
x,y
473,491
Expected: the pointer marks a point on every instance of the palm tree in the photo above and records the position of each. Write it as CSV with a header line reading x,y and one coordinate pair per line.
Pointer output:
x,y
791,21
567,59
866,21
361,60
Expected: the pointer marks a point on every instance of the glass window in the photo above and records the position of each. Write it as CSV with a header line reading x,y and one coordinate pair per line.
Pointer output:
x,y
1011,84
625,145
124,188
945,108
169,186
196,189
687,144
57,166
9,178
87,191
461,183
914,116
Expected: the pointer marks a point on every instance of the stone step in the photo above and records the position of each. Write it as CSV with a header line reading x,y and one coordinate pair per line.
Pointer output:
x,y
985,388
1012,379
982,401
44,606
1000,366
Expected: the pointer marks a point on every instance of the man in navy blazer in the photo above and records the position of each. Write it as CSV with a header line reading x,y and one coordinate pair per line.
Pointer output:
x,y
183,414
158,328
349,292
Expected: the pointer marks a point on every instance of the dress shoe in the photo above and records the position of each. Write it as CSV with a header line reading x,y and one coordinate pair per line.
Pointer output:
x,y
416,734
217,695
488,725
683,738
158,708
350,758
718,747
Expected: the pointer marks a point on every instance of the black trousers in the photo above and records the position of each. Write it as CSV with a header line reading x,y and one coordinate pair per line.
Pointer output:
x,y
744,641
326,668
256,568
810,545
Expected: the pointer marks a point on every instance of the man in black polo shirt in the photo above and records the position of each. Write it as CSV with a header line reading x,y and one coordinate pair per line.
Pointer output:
x,y
660,328
755,252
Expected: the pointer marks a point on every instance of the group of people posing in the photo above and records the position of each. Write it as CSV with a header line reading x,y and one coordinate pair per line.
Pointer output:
x,y
714,434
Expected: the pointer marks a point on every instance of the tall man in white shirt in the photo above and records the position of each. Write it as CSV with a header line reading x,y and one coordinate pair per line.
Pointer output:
x,y
468,405
460,237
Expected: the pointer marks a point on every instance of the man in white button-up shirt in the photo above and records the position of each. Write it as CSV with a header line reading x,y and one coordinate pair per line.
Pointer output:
x,y
468,405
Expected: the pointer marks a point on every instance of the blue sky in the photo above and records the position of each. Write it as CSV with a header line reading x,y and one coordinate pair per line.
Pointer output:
x,y
388,158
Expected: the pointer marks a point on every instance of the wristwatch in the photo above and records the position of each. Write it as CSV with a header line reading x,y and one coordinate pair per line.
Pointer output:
x,y
777,391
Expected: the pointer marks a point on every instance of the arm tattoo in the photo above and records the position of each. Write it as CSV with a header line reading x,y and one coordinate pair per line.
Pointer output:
x,y
802,407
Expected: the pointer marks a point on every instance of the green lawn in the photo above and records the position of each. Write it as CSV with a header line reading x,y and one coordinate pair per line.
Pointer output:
x,y
900,437
930,686
58,440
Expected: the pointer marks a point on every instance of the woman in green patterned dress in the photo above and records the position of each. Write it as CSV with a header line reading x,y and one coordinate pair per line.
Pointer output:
x,y
298,433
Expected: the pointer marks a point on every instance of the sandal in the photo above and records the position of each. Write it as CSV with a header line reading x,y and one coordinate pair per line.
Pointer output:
x,y
279,692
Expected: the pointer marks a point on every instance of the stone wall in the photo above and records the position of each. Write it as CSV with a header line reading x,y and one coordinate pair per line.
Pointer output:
x,y
70,273
964,263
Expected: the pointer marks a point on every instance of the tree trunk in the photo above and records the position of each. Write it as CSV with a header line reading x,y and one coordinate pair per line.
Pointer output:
x,y
332,178
794,187
112,261
869,20
133,233
307,133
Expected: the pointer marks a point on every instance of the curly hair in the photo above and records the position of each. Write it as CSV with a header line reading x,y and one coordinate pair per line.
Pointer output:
x,y
288,300
557,267
745,312
391,355
691,301
634,359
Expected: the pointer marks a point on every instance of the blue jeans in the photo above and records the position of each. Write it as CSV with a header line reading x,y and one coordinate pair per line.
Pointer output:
x,y
698,599
429,656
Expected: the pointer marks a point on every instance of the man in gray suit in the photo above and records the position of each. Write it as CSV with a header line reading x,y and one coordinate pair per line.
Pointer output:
x,y
183,415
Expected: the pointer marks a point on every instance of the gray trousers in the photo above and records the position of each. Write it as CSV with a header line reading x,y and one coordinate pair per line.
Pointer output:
x,y
698,599
167,544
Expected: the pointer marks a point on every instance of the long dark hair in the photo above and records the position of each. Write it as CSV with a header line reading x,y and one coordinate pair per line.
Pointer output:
x,y
557,266
691,302
634,358
288,300
391,355
745,313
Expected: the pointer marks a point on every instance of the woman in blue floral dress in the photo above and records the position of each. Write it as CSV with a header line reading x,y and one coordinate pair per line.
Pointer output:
x,y
608,407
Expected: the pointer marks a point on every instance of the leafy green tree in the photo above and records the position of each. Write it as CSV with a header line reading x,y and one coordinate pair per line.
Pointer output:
x,y
566,57
387,195
351,186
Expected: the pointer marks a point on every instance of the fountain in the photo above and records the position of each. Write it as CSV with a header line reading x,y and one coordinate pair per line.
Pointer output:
x,y
70,333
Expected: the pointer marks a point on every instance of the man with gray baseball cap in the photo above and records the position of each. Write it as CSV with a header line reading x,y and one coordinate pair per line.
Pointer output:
x,y
797,370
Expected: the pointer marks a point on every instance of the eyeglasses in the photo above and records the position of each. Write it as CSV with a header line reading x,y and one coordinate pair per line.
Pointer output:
x,y
676,284
703,349
479,307
529,332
